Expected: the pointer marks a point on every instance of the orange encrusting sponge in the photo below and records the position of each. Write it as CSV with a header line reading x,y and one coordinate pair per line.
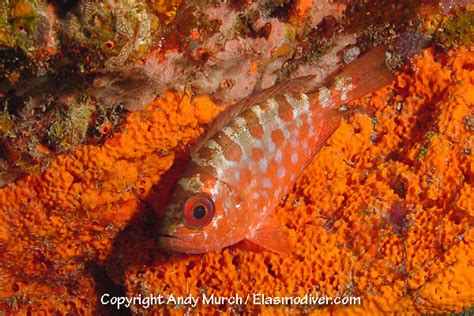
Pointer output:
x,y
383,212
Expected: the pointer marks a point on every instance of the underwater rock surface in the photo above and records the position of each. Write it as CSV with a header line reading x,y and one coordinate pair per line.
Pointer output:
x,y
71,70
385,210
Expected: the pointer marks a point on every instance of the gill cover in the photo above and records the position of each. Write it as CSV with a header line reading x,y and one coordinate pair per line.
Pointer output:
x,y
205,219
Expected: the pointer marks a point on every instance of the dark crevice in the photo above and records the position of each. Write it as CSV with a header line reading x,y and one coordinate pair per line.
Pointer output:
x,y
63,6
105,285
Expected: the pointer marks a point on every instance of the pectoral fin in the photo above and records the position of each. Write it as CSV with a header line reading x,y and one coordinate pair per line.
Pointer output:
x,y
270,236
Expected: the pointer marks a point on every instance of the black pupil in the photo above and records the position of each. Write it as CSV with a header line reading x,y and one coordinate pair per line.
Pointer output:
x,y
199,212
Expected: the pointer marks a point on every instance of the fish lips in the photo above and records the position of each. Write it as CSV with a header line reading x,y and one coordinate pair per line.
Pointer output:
x,y
174,243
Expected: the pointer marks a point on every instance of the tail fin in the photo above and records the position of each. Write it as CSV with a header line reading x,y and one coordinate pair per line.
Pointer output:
x,y
363,76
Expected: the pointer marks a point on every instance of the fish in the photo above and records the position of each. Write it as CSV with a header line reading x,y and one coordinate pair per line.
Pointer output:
x,y
251,155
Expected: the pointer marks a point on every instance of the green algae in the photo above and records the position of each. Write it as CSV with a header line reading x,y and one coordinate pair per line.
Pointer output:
x,y
70,129
456,30
6,123
22,24
426,144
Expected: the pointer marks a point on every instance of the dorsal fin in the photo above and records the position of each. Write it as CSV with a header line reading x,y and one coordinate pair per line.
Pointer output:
x,y
367,73
296,85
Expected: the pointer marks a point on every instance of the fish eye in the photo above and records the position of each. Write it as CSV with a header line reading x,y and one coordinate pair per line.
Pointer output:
x,y
198,210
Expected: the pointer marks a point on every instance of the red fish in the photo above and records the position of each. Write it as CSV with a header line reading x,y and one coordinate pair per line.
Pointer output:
x,y
251,156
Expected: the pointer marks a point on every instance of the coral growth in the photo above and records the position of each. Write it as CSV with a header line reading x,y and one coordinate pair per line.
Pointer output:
x,y
123,54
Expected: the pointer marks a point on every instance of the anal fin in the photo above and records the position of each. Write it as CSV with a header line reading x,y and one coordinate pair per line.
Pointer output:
x,y
270,236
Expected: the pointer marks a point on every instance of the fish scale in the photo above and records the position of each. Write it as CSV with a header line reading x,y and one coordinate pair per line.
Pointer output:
x,y
252,155
238,138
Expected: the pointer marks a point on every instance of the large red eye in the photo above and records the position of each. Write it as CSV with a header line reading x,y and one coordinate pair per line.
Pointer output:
x,y
198,210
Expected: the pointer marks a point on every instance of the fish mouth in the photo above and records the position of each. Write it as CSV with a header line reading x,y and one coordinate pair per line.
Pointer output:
x,y
178,244
164,236
172,242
